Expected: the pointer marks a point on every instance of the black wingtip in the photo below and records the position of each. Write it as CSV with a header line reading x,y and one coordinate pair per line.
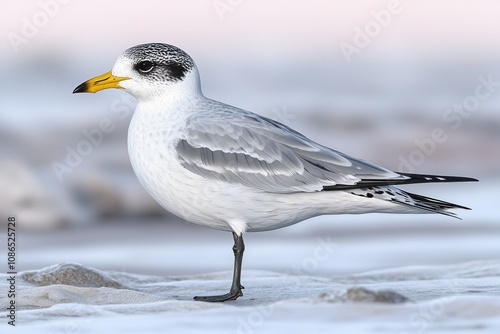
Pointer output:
x,y
411,179
82,88
438,178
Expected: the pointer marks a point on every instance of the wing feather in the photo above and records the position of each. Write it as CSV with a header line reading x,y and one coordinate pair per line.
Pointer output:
x,y
236,146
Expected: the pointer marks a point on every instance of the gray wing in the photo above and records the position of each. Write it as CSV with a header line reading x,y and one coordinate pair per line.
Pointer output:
x,y
236,146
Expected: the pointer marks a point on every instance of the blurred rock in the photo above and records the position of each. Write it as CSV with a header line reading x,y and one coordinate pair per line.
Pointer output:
x,y
363,295
29,194
113,194
23,196
72,274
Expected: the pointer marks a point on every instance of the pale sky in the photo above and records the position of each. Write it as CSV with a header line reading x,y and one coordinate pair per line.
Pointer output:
x,y
430,27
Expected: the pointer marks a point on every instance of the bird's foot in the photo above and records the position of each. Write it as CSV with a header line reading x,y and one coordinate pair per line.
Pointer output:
x,y
231,295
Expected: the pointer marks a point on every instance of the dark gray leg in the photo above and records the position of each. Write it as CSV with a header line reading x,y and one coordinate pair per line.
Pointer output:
x,y
236,287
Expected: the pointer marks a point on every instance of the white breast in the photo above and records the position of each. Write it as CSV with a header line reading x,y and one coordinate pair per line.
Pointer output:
x,y
151,139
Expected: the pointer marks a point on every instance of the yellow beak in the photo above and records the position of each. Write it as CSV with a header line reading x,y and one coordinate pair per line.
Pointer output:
x,y
104,81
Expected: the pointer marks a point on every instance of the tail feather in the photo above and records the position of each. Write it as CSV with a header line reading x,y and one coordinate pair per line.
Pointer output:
x,y
440,203
418,203
385,189
433,205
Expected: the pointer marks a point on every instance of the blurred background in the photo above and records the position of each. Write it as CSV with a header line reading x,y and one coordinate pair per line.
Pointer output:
x,y
409,85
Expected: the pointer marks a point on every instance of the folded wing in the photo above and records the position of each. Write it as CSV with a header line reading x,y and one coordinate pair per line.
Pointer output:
x,y
236,146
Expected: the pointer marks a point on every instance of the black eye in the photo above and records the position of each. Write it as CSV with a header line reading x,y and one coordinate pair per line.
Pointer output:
x,y
145,66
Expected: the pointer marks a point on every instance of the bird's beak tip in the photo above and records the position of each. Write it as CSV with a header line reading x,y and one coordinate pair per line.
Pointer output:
x,y
82,88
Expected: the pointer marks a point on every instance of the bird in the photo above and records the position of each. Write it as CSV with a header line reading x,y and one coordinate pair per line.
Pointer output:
x,y
230,169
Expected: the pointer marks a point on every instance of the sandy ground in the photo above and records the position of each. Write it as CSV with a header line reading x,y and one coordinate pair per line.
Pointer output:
x,y
77,299
391,274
